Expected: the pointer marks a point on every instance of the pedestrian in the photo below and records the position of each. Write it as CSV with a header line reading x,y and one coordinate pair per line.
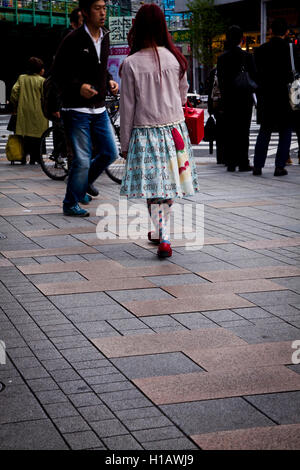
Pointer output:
x,y
237,100
26,100
80,71
154,137
214,108
274,113
76,18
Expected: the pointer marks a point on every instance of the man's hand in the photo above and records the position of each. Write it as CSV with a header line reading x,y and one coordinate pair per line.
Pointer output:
x,y
113,87
124,155
88,91
56,114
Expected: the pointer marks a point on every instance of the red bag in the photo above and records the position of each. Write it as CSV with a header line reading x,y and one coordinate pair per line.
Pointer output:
x,y
194,119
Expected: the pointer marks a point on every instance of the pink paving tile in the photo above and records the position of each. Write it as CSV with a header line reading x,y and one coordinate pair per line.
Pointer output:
x,y
252,273
241,357
59,231
75,250
103,266
269,244
5,262
221,384
76,287
196,290
282,437
224,204
172,341
160,270
36,211
181,242
196,304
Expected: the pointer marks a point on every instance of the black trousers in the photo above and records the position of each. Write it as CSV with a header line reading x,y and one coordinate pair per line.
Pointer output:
x,y
32,147
237,123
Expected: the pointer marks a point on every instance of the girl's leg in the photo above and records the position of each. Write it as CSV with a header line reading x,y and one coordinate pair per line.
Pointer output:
x,y
159,211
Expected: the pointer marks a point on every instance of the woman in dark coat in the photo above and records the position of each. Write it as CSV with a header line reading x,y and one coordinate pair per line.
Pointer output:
x,y
274,113
236,103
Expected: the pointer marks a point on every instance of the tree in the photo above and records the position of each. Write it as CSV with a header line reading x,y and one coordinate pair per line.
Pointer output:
x,y
205,25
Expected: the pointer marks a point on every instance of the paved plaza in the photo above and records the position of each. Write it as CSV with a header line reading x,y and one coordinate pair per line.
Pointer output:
x,y
110,348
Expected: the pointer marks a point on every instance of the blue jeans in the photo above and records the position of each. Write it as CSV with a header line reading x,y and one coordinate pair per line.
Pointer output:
x,y
262,144
85,131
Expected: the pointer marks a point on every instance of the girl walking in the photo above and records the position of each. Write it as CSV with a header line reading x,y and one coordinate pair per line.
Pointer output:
x,y
154,137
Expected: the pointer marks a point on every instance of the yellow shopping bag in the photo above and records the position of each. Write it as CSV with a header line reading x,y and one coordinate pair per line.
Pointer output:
x,y
14,148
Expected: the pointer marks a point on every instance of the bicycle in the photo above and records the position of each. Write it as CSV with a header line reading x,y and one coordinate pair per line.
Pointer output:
x,y
56,154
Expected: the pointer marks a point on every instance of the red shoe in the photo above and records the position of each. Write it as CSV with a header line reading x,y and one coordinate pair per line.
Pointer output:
x,y
153,240
164,250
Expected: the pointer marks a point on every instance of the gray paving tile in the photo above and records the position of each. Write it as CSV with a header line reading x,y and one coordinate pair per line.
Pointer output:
x,y
127,324
52,396
61,410
283,311
147,423
222,315
71,424
83,440
283,408
181,443
85,399
272,298
77,354
40,385
96,413
155,365
256,334
31,435
125,442
81,300
194,320
63,375
215,415
108,428
74,386
250,313
158,321
158,434
19,407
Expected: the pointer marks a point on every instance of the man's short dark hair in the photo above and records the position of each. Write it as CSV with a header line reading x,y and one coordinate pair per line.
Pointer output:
x,y
279,27
34,65
234,35
74,15
86,4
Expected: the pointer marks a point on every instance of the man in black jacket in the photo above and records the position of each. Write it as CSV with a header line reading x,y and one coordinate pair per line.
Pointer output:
x,y
80,70
274,113
236,101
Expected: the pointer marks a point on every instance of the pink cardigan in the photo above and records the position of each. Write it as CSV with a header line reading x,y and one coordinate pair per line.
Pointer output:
x,y
146,99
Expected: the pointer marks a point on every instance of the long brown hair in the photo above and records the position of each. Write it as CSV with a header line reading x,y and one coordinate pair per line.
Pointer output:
x,y
150,30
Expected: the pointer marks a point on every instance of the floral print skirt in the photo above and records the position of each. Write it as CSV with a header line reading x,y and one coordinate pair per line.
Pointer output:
x,y
160,163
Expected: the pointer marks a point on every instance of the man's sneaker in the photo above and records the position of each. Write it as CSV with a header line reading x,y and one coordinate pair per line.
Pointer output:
x,y
164,250
256,171
92,190
75,211
86,200
280,171
289,161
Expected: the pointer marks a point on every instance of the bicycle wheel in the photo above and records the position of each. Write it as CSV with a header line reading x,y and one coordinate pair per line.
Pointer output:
x,y
116,170
54,158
